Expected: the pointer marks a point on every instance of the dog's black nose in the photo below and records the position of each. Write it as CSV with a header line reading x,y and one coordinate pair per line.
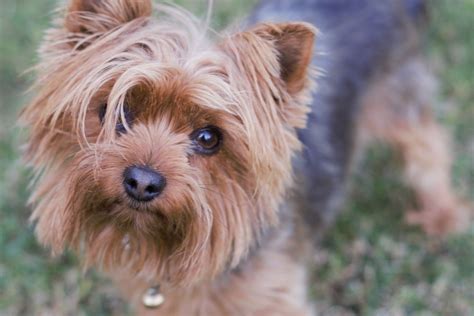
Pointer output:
x,y
142,183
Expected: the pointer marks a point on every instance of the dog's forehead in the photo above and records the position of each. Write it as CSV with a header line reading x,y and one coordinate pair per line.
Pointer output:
x,y
197,84
155,63
166,43
174,103
195,76
143,46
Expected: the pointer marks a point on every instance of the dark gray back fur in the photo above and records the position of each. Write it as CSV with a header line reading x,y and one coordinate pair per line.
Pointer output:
x,y
358,40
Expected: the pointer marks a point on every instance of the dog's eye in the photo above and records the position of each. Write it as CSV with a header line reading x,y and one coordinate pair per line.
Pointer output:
x,y
120,126
207,140
102,110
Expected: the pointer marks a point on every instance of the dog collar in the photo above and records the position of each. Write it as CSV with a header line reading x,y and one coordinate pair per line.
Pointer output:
x,y
153,297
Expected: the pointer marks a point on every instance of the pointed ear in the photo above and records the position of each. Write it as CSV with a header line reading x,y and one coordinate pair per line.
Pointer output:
x,y
92,16
293,43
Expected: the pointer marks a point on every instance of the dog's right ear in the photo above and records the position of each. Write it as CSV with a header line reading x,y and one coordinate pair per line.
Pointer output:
x,y
96,16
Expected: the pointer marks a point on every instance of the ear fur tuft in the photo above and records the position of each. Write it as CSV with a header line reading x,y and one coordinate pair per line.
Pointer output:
x,y
91,16
294,44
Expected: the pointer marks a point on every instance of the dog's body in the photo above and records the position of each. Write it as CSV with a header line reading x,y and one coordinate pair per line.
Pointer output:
x,y
374,86
187,147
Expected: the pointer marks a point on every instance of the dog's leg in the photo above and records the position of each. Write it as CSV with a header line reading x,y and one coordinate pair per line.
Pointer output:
x,y
397,111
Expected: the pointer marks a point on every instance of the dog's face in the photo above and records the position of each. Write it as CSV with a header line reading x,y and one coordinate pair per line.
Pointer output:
x,y
157,151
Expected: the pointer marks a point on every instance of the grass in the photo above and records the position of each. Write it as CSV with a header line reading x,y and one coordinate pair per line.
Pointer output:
x,y
371,263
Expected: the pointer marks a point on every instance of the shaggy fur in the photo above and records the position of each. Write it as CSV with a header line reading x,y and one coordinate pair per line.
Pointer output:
x,y
214,209
120,87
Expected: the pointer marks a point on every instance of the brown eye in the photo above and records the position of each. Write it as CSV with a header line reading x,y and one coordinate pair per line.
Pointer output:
x,y
206,140
102,110
119,127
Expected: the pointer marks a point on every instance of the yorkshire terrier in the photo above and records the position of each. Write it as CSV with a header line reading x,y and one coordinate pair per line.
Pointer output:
x,y
195,171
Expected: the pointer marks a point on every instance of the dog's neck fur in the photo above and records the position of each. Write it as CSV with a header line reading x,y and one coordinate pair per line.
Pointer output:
x,y
283,251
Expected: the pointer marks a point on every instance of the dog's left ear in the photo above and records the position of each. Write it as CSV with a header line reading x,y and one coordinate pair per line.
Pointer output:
x,y
94,16
294,45
291,44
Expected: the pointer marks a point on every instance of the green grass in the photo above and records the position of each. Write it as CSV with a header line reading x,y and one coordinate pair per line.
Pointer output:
x,y
370,263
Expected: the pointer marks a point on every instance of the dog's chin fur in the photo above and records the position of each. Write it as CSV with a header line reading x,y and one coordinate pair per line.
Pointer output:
x,y
252,85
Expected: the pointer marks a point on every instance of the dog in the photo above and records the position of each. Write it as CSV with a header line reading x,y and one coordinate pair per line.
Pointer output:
x,y
197,171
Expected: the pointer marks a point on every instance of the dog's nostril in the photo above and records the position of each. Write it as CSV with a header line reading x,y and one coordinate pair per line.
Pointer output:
x,y
143,184
152,189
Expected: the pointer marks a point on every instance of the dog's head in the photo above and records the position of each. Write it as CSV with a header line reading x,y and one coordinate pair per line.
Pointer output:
x,y
156,150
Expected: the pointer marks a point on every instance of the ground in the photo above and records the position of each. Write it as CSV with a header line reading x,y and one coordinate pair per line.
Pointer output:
x,y
371,263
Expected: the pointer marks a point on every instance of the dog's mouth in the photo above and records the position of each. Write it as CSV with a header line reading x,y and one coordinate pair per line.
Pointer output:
x,y
126,210
140,206
137,206
135,219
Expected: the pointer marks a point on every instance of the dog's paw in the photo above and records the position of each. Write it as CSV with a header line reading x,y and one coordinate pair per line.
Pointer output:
x,y
442,219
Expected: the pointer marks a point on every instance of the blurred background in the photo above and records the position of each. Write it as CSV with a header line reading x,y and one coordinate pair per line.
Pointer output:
x,y
371,263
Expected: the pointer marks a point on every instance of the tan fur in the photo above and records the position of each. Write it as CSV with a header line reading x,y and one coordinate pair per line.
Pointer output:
x,y
214,209
273,282
397,111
